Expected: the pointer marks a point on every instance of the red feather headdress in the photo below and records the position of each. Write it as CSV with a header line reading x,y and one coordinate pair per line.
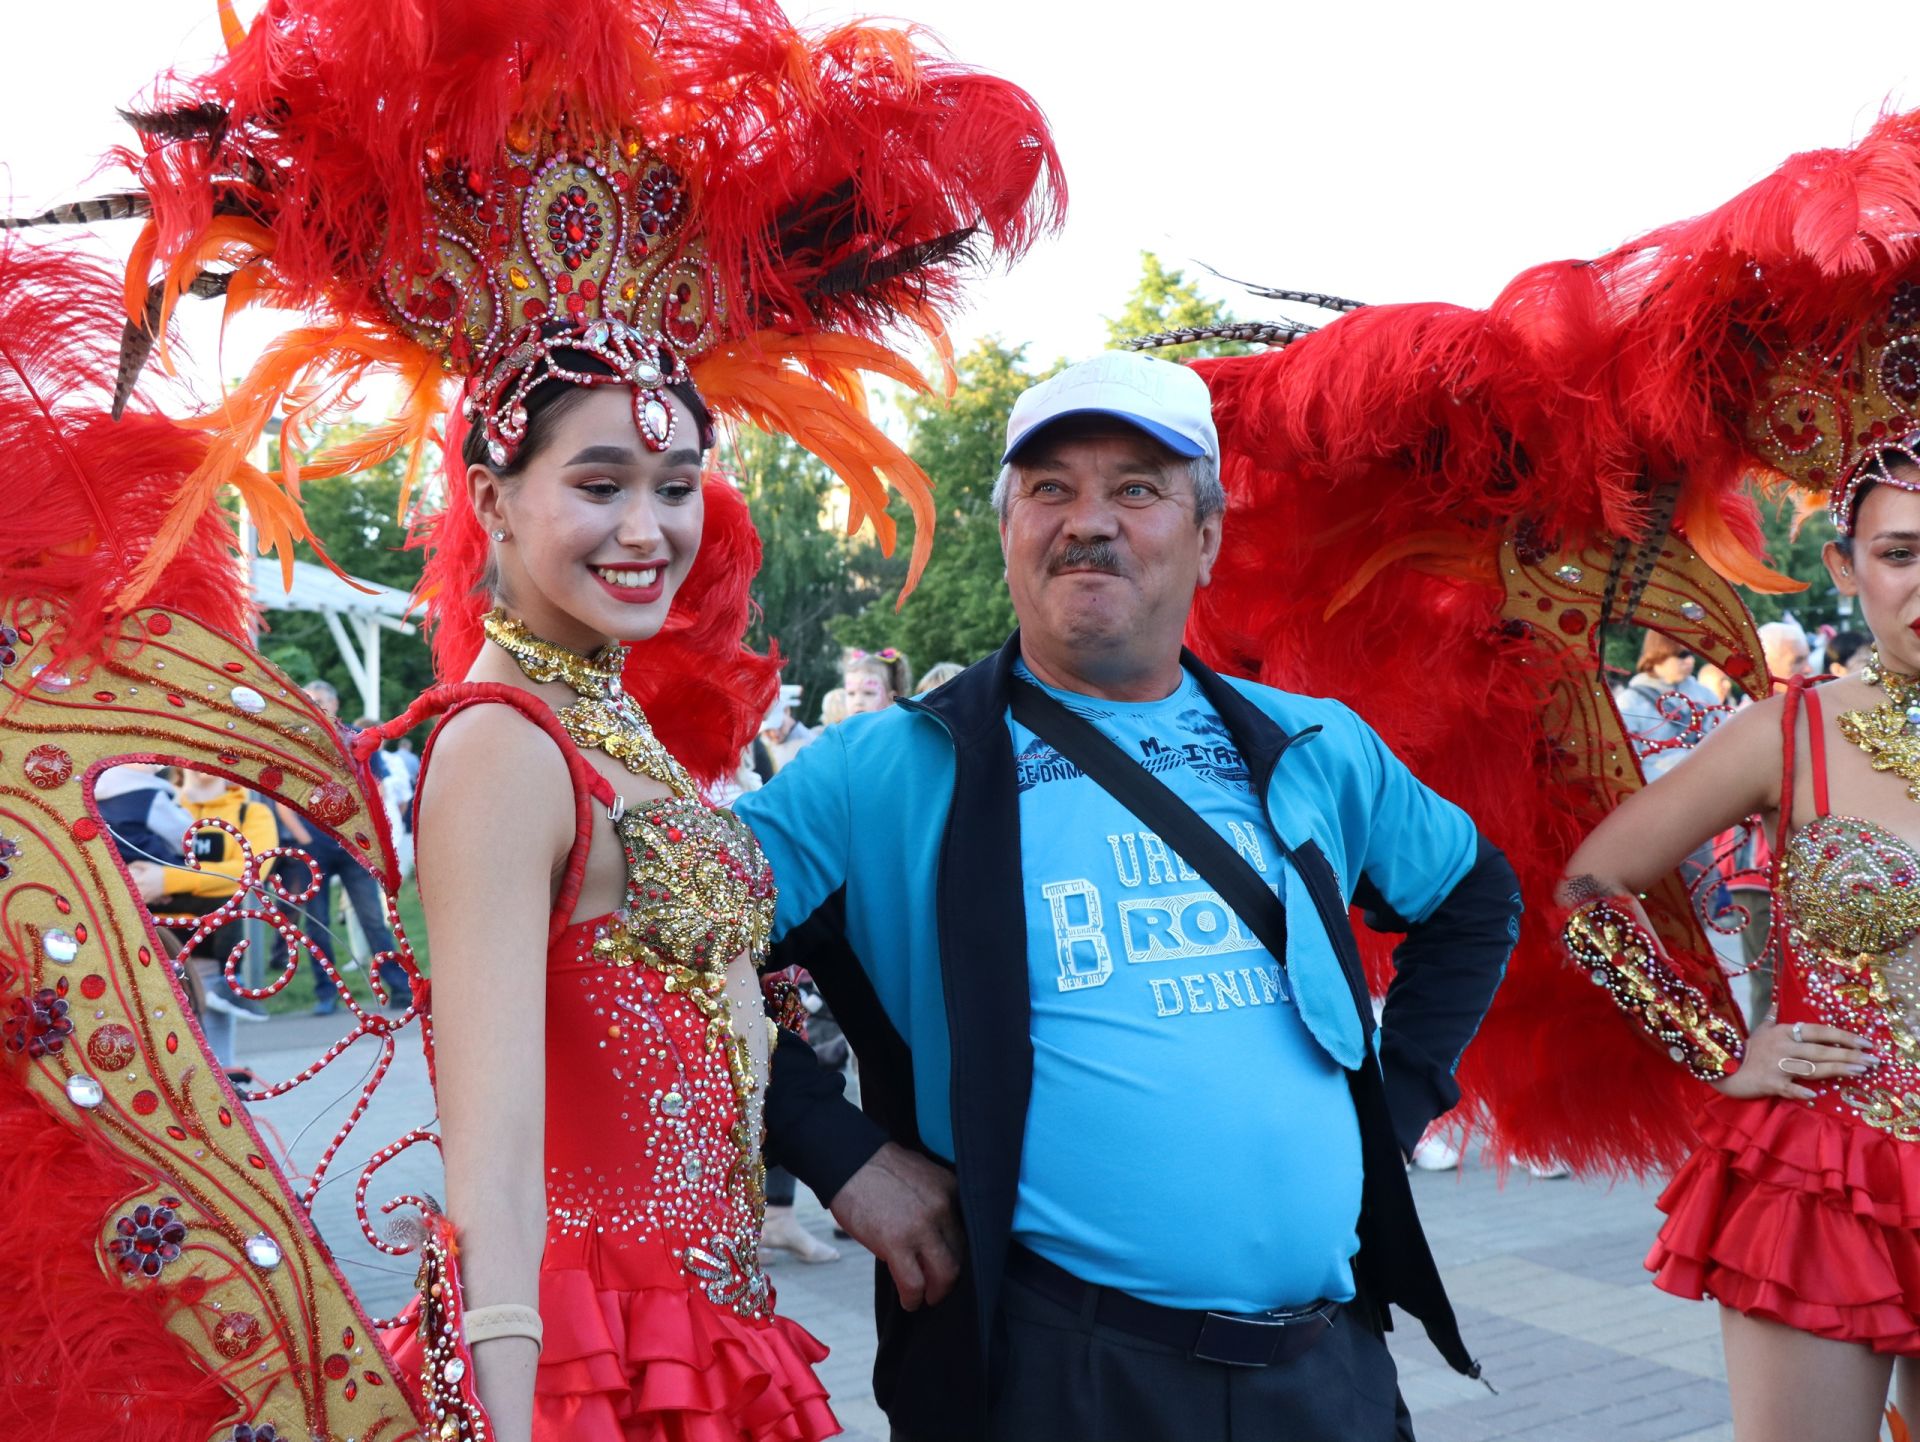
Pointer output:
x,y
1435,511
449,191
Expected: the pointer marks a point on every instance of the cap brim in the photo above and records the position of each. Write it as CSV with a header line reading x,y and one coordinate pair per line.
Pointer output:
x,y
1183,446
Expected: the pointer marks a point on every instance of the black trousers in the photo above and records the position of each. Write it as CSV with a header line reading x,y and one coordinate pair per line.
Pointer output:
x,y
1068,1379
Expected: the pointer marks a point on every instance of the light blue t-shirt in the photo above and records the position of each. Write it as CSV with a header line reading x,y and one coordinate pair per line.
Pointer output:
x,y
1187,1140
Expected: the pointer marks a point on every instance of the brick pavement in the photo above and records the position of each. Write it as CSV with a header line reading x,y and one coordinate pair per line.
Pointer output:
x,y
1546,1275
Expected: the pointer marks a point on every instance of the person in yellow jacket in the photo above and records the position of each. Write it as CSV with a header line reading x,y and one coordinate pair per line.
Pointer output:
x,y
217,862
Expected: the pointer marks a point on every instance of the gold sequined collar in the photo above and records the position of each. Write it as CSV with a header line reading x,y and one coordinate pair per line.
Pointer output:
x,y
604,718
1889,733
597,675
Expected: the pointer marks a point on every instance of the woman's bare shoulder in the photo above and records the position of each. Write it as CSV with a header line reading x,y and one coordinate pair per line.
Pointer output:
x,y
492,761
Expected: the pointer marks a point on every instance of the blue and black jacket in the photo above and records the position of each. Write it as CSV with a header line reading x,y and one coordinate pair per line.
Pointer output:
x,y
895,842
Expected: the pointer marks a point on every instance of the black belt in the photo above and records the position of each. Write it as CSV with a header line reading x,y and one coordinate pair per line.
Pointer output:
x,y
1262,1339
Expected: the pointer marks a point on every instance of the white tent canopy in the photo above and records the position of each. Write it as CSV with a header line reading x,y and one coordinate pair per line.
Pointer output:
x,y
355,615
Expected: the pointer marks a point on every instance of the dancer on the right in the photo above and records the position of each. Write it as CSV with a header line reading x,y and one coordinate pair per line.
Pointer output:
x,y
1798,1208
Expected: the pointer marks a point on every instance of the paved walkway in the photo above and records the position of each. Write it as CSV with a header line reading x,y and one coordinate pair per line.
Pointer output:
x,y
1546,1276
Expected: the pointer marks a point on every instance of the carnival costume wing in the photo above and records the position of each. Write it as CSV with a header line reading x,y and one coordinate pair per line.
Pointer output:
x,y
1435,511
464,198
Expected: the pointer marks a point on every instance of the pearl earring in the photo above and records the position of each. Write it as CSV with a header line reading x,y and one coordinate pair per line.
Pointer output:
x,y
499,535
1846,570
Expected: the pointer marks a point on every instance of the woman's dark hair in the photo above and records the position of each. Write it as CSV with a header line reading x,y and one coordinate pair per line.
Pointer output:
x,y
1845,645
548,404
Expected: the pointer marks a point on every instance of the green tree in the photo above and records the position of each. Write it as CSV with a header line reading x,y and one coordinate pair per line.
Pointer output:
x,y
959,611
809,576
354,518
1796,553
1166,300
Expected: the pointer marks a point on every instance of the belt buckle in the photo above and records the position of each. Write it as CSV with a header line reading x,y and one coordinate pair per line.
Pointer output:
x,y
1236,1341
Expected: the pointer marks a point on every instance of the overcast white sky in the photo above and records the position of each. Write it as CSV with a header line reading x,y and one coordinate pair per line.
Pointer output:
x,y
1386,151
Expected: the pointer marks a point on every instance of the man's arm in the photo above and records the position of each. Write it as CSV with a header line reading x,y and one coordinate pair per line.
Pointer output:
x,y
1426,871
894,1202
1445,974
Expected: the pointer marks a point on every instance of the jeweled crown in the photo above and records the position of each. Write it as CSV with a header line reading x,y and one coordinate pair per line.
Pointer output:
x,y
560,248
1831,421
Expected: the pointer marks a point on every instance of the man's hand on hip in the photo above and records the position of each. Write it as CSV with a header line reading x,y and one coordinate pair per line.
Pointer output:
x,y
899,1206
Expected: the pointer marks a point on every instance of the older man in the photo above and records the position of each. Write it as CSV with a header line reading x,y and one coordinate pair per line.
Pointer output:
x,y
1145,1066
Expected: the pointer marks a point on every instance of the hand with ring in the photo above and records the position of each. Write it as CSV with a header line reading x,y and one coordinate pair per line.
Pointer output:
x,y
1779,1058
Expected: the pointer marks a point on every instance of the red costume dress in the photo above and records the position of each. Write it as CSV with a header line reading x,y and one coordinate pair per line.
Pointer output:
x,y
658,1320
1805,1212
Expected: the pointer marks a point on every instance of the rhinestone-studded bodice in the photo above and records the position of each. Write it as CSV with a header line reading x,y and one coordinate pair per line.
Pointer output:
x,y
1850,898
655,1066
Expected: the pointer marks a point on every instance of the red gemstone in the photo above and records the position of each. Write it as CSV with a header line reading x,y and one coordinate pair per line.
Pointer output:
x,y
226,1117
85,829
336,1366
112,1046
589,289
235,667
271,778
160,624
80,931
330,804
236,1334
104,696
144,1102
93,986
173,1043
173,700
562,284
47,766
576,303
533,308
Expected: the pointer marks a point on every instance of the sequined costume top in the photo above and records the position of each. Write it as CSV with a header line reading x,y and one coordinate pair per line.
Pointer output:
x,y
655,1071
1849,903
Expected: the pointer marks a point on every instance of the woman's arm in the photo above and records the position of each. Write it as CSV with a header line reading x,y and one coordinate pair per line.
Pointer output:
x,y
1733,774
496,823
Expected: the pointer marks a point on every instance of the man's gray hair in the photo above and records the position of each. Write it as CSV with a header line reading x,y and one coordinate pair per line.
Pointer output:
x,y
1209,496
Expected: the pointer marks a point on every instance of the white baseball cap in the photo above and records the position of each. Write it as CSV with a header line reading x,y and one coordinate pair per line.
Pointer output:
x,y
1167,400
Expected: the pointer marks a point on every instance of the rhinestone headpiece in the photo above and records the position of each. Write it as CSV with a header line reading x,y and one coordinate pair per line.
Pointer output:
x,y
1833,421
556,250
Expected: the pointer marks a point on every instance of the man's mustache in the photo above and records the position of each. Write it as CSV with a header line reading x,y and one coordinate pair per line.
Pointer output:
x,y
1088,556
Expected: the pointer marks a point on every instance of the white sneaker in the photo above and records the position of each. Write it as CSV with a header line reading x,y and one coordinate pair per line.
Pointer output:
x,y
1549,1171
239,1008
1436,1154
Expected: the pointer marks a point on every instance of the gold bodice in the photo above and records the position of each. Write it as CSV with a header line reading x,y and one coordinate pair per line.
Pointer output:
x,y
699,891
1851,895
1852,886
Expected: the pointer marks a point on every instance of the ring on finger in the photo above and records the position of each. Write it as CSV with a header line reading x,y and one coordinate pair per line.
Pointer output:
x,y
1797,1066
1797,1037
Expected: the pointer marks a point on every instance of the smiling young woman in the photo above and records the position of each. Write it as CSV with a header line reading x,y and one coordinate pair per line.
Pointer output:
x,y
1796,1210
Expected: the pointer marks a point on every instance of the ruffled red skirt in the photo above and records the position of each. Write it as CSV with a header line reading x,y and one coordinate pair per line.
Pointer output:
x,y
633,1354
1801,1216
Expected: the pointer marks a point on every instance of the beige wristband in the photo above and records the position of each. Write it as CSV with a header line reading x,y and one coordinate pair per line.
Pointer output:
x,y
506,1319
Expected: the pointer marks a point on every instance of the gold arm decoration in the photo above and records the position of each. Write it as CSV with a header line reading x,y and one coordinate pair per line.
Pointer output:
x,y
1611,946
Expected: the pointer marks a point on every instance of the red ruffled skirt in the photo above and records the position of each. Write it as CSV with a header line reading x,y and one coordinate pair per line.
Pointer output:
x,y
633,1354
1801,1216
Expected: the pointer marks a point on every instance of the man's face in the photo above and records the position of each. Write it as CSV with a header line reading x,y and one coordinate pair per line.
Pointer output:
x,y
1788,657
1102,552
325,704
